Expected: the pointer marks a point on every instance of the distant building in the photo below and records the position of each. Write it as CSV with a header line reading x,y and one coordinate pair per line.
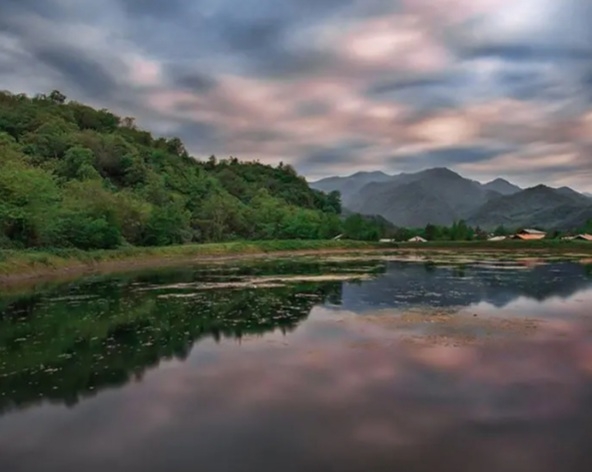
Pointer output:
x,y
530,235
583,237
418,239
497,238
387,241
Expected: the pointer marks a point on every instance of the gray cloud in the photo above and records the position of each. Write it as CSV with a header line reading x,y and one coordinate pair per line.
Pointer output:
x,y
312,108
187,79
78,69
171,9
529,52
327,85
406,84
449,157
200,135
47,9
348,152
424,95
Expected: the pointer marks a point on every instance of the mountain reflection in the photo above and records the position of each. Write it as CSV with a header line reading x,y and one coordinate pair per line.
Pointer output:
x,y
408,284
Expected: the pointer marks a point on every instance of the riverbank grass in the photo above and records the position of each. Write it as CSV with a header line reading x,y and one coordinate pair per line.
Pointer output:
x,y
14,262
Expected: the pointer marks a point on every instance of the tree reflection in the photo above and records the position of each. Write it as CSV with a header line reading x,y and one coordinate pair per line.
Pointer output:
x,y
69,348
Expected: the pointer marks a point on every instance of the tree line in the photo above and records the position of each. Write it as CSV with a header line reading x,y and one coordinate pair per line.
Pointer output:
x,y
461,231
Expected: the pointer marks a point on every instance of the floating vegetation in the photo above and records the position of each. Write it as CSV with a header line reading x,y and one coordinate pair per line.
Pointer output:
x,y
259,282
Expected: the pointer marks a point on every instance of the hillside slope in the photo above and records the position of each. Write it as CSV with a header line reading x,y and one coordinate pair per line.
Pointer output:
x,y
73,176
437,196
502,187
350,186
440,196
540,206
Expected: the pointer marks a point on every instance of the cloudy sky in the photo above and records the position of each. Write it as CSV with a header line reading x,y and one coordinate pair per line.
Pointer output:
x,y
485,87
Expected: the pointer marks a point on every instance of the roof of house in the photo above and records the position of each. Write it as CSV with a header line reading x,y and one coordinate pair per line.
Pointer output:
x,y
527,236
586,237
532,231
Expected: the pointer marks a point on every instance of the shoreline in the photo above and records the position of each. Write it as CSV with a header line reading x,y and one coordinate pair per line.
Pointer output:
x,y
30,267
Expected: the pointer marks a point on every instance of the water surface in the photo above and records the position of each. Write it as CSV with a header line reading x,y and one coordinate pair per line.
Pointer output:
x,y
302,366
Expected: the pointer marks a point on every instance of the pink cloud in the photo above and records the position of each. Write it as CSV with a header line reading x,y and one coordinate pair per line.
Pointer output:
x,y
260,117
398,42
145,72
453,11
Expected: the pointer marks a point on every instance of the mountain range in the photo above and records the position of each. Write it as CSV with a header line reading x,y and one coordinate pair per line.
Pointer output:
x,y
440,196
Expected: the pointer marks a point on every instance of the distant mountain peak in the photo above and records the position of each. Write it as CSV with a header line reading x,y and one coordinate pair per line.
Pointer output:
x,y
349,186
571,193
540,188
434,172
502,186
441,196
376,173
499,180
568,191
441,171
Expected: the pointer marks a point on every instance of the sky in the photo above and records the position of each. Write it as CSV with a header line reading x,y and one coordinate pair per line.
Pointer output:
x,y
487,88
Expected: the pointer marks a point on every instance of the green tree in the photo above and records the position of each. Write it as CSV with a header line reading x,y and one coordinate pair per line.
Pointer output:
x,y
167,225
49,141
501,231
220,217
83,231
356,227
431,232
333,202
57,97
78,164
461,232
29,199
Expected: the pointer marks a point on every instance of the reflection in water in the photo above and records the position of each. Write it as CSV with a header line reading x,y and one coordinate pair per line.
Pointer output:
x,y
309,386
408,284
76,345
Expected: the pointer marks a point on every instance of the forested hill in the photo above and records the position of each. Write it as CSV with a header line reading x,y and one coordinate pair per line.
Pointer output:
x,y
73,176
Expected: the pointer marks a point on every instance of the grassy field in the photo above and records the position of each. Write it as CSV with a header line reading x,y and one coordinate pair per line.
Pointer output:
x,y
33,263
22,265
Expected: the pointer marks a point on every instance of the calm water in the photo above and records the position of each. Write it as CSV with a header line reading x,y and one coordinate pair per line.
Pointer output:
x,y
411,367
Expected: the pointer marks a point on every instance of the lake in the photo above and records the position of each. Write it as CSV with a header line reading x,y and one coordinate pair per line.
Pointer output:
x,y
302,365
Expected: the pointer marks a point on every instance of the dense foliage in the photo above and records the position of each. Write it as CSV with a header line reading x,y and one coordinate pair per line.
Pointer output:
x,y
73,176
